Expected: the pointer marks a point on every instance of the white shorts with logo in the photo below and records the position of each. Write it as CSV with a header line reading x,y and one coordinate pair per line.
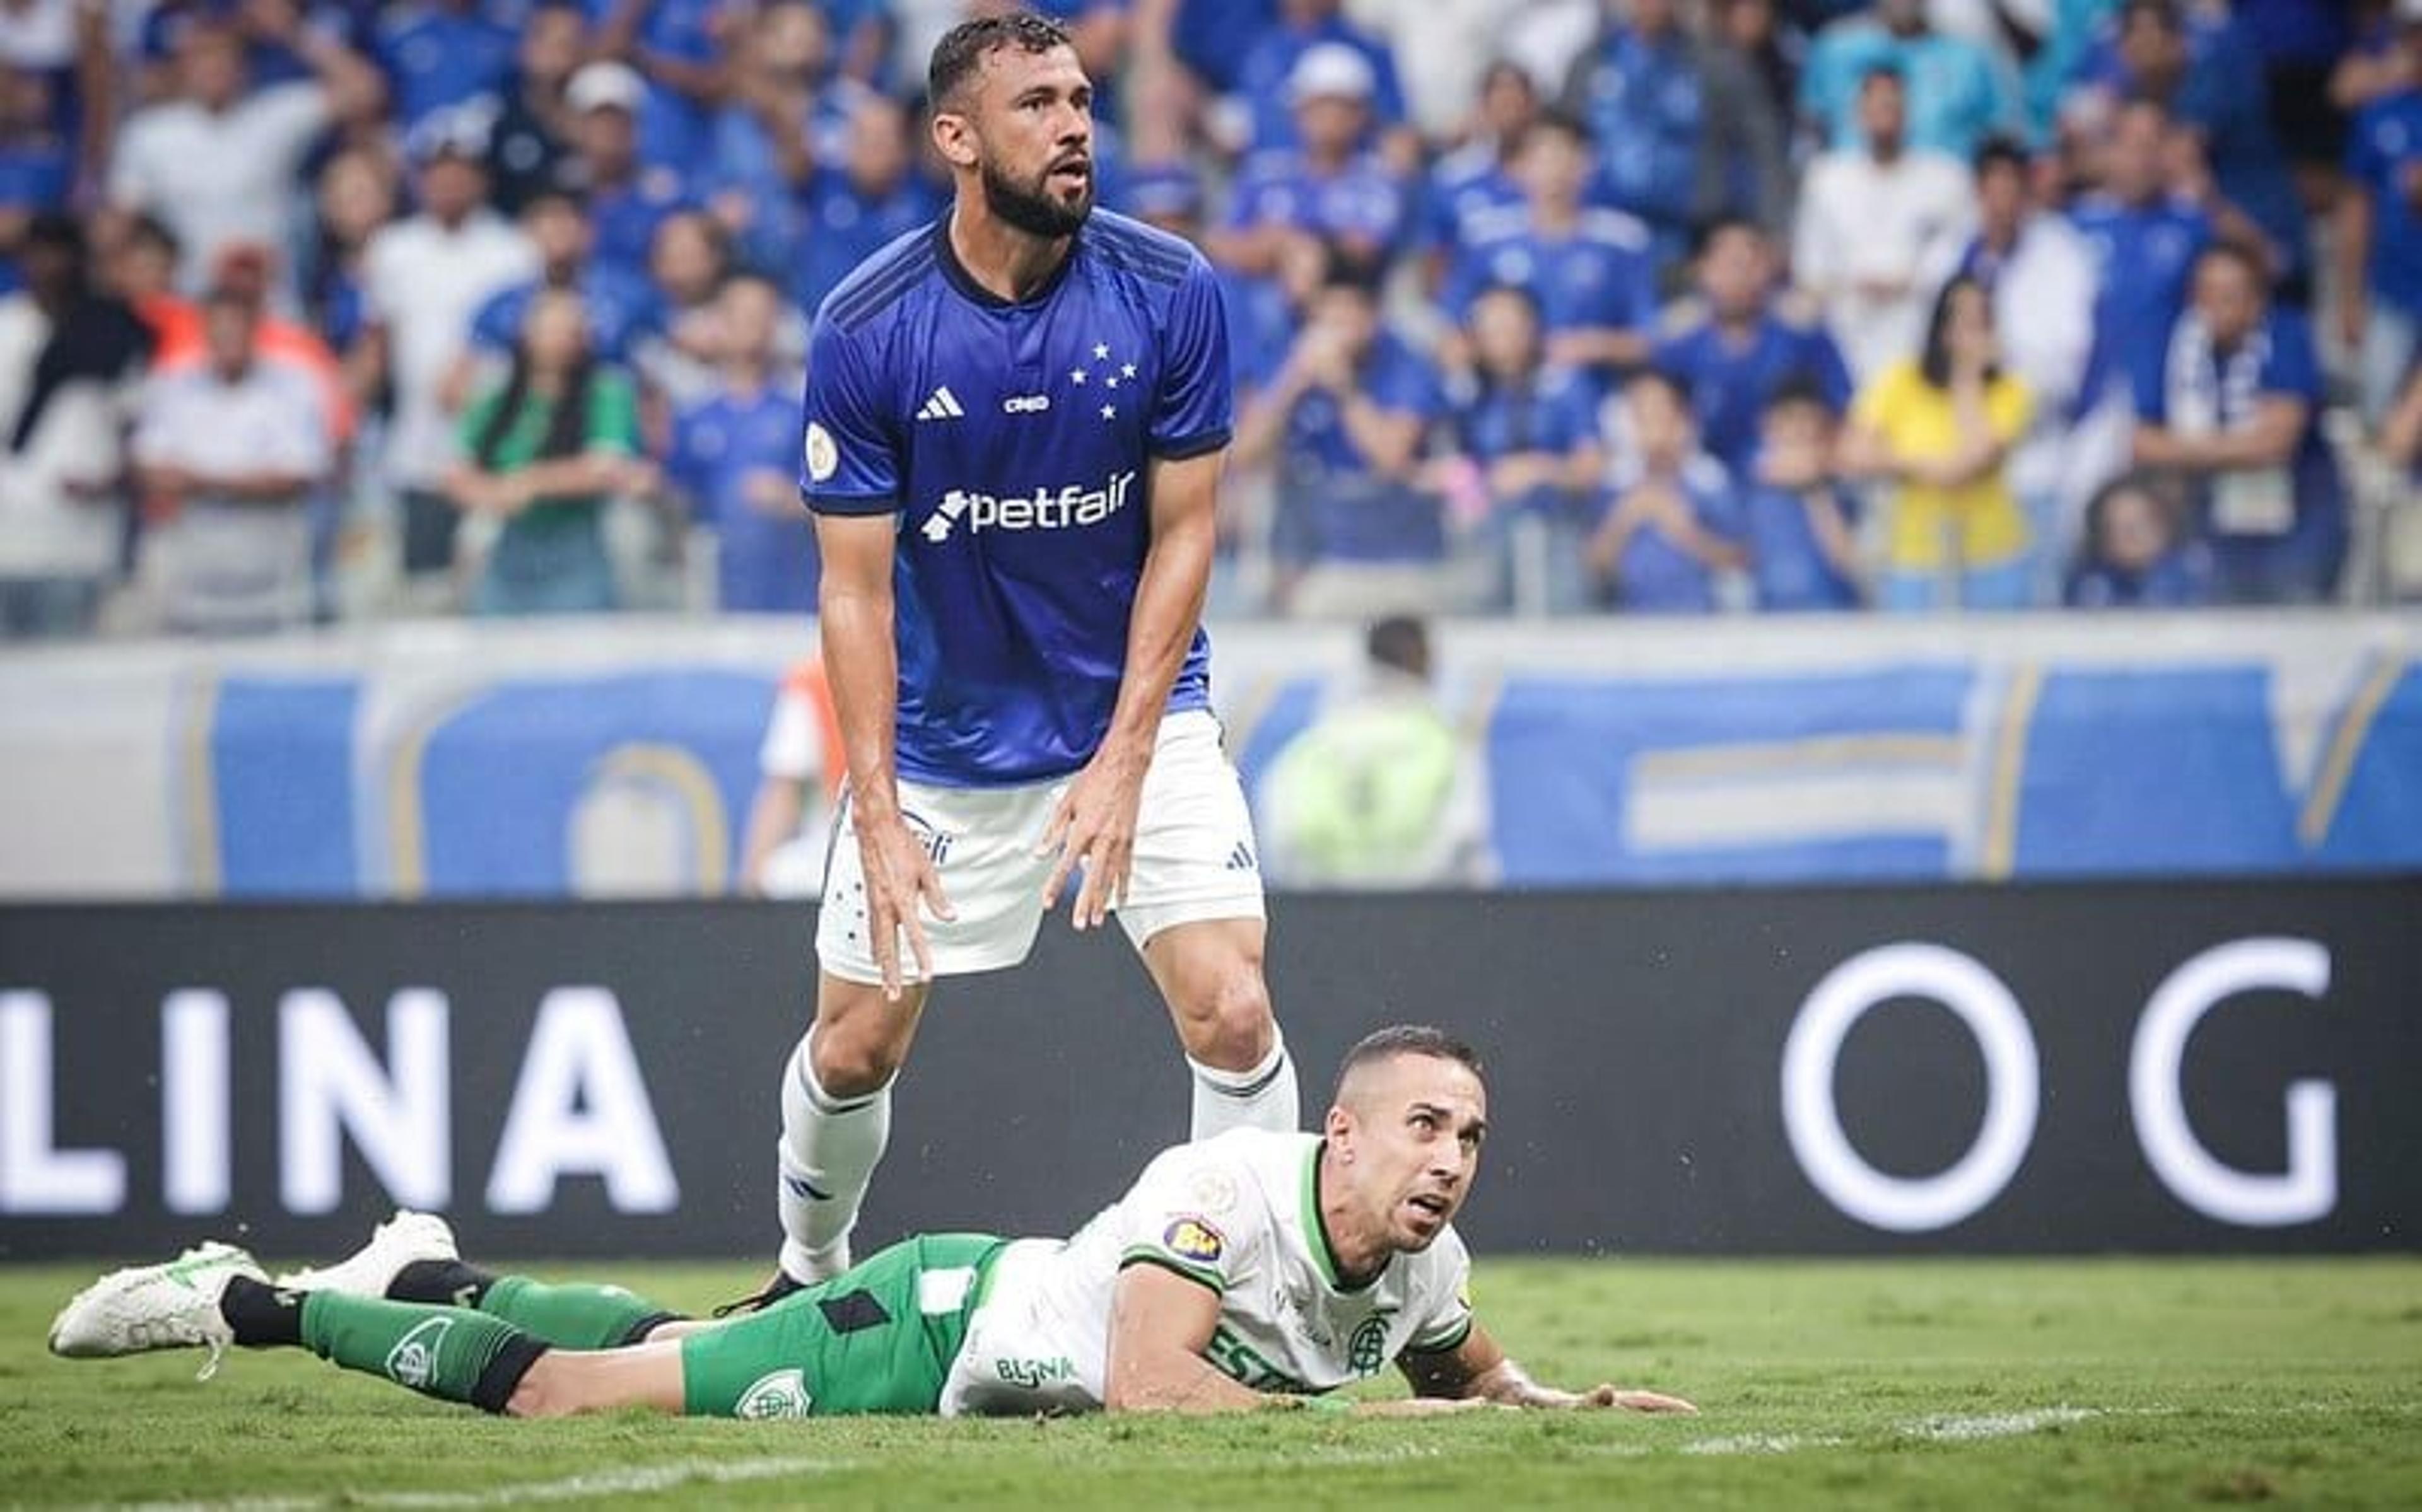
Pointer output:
x,y
1194,859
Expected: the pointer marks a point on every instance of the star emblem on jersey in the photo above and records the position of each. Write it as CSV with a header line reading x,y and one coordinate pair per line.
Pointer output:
x,y
1106,371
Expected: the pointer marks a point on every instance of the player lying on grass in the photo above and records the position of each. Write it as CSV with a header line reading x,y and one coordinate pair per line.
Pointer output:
x,y
1251,1269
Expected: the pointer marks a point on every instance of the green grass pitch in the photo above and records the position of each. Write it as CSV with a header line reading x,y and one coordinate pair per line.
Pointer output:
x,y
1905,1383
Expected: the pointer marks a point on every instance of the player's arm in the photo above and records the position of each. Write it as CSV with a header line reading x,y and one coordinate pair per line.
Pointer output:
x,y
1160,1323
1478,1369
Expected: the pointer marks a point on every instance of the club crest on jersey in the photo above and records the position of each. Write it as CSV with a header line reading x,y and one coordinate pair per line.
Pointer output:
x,y
412,1361
1367,1349
1195,1239
776,1393
823,457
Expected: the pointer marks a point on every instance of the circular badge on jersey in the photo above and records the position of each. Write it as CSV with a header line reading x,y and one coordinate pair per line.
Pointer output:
x,y
824,458
1194,1238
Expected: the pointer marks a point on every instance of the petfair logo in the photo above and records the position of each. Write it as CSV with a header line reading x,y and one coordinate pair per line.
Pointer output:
x,y
1072,505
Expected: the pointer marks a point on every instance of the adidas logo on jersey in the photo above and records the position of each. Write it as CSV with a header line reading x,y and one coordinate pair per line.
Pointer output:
x,y
941,405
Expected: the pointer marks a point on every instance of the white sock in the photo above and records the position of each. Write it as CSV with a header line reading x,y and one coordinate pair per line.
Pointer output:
x,y
1263,1098
829,1149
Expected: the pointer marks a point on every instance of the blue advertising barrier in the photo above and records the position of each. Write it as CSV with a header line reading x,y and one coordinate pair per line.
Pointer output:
x,y
619,758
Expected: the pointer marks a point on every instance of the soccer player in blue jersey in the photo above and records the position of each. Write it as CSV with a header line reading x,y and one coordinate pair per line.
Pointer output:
x,y
1015,420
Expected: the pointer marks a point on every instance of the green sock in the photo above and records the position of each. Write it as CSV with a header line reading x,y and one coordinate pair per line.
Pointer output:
x,y
571,1316
447,1352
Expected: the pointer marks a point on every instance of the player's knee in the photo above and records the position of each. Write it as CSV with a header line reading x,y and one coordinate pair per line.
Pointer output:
x,y
1235,1030
850,1066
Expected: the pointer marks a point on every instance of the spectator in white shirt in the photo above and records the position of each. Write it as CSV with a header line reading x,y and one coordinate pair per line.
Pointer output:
x,y
424,280
221,161
236,448
1873,218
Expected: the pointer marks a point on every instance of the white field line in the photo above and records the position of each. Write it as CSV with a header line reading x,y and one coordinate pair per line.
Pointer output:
x,y
645,1479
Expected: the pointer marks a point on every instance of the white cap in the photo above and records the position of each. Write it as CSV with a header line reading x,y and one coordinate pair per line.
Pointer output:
x,y
2409,12
1330,69
605,84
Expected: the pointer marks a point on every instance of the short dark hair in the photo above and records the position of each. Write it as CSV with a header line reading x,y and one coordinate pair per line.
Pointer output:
x,y
1999,152
1652,376
1562,121
1406,1040
1799,387
1399,641
962,48
1728,222
2230,249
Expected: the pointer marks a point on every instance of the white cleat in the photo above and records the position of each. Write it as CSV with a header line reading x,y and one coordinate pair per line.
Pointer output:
x,y
370,1270
169,1306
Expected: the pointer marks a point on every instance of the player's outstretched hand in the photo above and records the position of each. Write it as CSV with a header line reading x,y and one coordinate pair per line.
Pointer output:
x,y
1430,1406
1094,827
900,875
1635,1401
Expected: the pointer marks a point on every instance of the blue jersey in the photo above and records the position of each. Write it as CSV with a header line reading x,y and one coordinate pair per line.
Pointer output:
x,y
723,449
2146,254
1731,383
1655,575
1598,277
1012,442
2383,149
1786,562
621,310
435,58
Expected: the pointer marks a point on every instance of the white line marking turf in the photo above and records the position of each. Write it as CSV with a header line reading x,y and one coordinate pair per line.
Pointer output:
x,y
644,1479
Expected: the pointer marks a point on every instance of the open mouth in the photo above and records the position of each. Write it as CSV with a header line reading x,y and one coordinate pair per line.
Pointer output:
x,y
1436,1206
1074,171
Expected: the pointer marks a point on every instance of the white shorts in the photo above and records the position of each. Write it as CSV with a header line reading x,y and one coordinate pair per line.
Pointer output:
x,y
1194,859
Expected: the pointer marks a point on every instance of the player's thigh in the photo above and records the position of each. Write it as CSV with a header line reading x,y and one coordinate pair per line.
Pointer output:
x,y
565,1381
1195,858
876,1338
983,842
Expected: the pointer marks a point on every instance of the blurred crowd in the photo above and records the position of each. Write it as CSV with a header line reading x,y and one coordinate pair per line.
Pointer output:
x,y
342,310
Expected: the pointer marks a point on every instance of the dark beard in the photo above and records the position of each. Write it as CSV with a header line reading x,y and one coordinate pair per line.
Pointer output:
x,y
1034,211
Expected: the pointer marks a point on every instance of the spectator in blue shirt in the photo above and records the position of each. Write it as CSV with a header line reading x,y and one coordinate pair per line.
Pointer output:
x,y
36,171
2137,554
2380,227
620,308
1798,522
1344,420
2400,434
1328,189
1958,93
440,54
1266,83
676,47
1527,455
1686,134
2232,403
1477,177
2145,240
1736,350
1668,528
849,210
1588,269
1261,311
2208,75
627,199
531,144
735,455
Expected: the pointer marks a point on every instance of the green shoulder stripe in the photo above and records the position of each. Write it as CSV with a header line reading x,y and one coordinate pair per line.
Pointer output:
x,y
1141,1255
1446,1344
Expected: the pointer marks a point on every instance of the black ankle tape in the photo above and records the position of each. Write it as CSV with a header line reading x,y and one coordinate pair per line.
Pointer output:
x,y
442,1282
639,1332
260,1315
497,1384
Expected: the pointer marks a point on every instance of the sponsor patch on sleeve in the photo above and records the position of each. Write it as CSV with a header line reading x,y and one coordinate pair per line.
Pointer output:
x,y
1195,1239
823,457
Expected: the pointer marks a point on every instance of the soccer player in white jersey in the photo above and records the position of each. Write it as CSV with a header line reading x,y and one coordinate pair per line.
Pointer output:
x,y
1254,1270
1014,424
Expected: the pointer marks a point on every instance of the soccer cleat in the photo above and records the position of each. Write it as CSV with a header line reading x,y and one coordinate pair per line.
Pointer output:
x,y
169,1306
370,1270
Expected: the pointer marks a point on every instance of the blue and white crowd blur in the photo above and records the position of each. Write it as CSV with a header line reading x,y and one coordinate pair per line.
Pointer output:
x,y
324,311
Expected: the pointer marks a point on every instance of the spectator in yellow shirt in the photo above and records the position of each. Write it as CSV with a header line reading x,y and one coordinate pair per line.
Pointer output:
x,y
1938,431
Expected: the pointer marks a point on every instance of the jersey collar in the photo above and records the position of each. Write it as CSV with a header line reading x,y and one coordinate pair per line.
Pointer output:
x,y
1316,1233
946,257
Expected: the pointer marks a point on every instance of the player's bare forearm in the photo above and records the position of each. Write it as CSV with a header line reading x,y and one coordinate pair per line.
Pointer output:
x,y
1478,1370
1169,599
854,607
